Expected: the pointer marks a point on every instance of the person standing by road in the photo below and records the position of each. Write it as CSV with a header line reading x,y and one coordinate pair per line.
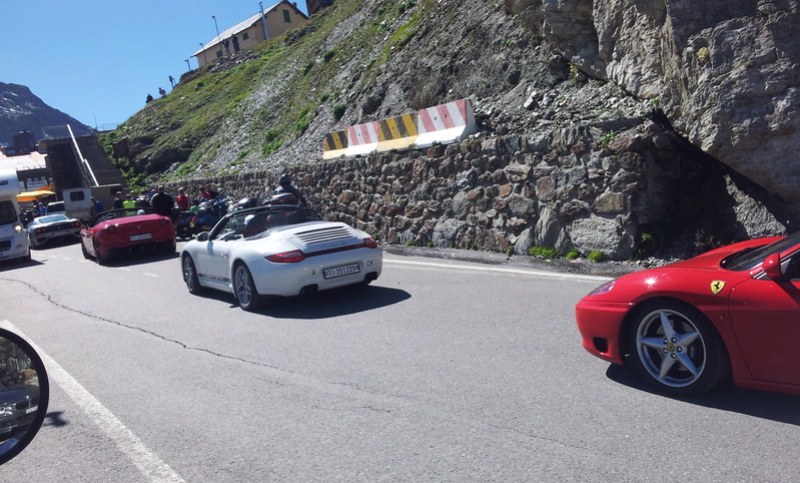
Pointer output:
x,y
162,203
182,200
118,201
97,207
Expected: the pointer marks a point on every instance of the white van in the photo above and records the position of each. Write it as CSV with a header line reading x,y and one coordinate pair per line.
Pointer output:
x,y
13,236
78,203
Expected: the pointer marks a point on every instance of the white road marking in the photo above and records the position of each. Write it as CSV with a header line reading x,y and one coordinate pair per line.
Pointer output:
x,y
150,465
491,268
150,274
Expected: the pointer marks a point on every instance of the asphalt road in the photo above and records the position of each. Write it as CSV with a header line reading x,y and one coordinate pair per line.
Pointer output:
x,y
442,370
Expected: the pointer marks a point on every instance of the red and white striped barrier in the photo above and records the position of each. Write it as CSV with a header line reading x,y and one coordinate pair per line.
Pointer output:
x,y
445,123
363,139
442,124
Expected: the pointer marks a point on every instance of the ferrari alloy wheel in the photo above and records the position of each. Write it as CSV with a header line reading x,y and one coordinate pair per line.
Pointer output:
x,y
676,349
190,275
245,288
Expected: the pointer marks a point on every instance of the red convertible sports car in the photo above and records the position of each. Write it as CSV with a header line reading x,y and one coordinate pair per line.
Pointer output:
x,y
117,232
686,327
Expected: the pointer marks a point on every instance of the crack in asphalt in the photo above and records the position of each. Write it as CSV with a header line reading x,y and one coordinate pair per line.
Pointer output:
x,y
393,403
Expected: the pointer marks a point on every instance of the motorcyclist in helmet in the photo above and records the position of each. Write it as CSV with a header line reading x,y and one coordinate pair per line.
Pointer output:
x,y
245,203
286,187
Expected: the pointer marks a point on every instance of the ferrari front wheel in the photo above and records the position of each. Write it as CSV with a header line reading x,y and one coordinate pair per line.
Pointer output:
x,y
245,288
676,349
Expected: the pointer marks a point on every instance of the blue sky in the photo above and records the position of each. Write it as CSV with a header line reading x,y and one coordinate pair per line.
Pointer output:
x,y
96,60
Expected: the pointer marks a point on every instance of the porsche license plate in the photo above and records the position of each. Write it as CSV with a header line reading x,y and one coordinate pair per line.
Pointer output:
x,y
341,271
144,236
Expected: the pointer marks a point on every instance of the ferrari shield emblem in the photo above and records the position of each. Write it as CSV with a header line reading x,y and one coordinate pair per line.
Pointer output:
x,y
717,286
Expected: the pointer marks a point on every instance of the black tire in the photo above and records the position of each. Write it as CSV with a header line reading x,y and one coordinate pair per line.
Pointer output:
x,y
168,247
190,275
31,242
676,349
101,260
85,251
245,289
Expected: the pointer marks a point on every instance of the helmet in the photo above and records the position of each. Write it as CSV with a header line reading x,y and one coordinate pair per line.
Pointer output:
x,y
285,180
205,207
140,212
282,199
245,203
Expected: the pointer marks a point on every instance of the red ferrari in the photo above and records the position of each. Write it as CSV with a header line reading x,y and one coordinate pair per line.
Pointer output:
x,y
733,312
118,232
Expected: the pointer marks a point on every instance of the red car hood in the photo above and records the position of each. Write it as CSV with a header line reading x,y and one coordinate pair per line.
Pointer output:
x,y
711,260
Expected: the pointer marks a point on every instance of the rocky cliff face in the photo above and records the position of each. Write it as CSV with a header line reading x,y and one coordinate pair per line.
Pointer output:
x,y
725,72
599,124
21,110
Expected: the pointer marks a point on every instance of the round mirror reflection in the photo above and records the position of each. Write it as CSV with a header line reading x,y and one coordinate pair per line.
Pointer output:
x,y
24,393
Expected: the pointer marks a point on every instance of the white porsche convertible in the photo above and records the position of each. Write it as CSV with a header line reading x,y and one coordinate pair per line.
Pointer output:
x,y
278,251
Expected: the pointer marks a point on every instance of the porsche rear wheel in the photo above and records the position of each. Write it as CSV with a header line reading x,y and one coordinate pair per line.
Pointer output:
x,y
245,288
676,349
190,275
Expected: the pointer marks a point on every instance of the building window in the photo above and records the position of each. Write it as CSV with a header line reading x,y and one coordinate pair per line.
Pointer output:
x,y
245,36
219,54
287,17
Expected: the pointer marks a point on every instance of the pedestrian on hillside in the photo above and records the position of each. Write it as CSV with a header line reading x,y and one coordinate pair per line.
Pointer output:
x,y
148,99
162,92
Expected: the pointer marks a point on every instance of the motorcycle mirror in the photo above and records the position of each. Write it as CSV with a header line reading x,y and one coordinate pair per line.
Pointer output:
x,y
24,394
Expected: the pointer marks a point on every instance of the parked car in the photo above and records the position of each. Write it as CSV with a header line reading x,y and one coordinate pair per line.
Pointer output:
x,y
18,407
688,326
118,232
55,207
278,251
53,227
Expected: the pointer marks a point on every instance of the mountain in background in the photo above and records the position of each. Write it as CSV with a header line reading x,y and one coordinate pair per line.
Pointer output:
x,y
21,110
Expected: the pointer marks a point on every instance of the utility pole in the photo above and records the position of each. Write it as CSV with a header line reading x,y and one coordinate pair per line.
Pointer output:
x,y
263,21
219,41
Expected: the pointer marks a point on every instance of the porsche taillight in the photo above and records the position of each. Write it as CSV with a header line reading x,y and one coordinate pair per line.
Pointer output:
x,y
293,256
370,242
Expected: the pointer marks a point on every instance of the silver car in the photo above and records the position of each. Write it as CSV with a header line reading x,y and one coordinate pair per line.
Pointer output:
x,y
51,227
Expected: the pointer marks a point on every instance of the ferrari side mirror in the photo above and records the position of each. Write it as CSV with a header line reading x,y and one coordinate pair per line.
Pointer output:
x,y
24,394
772,267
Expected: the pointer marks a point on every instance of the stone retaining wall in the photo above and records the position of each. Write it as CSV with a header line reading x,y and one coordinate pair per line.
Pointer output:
x,y
560,190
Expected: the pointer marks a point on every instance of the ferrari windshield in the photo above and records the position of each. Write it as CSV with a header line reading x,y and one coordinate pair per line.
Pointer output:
x,y
750,257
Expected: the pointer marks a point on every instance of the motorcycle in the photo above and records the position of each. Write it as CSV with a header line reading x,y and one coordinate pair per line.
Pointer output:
x,y
208,214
